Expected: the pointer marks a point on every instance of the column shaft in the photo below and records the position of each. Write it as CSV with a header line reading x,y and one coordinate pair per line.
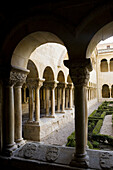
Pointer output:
x,y
58,100
24,90
70,98
67,97
18,115
53,102
80,119
47,102
31,115
63,99
9,120
37,104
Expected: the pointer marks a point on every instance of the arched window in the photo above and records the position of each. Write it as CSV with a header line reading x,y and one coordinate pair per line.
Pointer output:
x,y
105,91
104,65
111,64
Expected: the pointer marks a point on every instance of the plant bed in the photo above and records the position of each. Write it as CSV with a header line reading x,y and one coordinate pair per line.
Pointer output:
x,y
95,122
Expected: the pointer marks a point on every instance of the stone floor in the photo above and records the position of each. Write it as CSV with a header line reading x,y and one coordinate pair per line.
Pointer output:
x,y
59,137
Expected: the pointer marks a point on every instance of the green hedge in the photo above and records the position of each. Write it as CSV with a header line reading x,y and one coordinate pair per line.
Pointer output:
x,y
106,139
95,121
98,126
71,140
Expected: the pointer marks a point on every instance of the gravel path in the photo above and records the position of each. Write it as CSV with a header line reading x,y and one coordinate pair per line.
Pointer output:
x,y
107,128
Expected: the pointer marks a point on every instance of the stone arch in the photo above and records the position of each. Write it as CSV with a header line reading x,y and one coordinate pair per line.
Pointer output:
x,y
33,70
48,74
111,64
61,77
28,44
69,79
104,65
103,33
105,91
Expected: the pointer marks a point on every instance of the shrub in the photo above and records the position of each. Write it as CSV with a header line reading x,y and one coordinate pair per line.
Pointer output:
x,y
97,128
103,139
95,144
71,140
103,115
90,145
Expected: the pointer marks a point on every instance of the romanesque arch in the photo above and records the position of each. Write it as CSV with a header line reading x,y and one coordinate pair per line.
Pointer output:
x,y
104,65
48,74
105,91
69,79
61,77
111,64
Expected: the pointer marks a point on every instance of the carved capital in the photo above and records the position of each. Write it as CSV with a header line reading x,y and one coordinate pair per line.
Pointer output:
x,y
50,84
34,83
62,85
79,70
19,78
70,85
15,76
80,76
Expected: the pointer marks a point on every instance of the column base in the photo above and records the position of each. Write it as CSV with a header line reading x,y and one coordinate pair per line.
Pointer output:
x,y
50,116
20,142
9,149
67,108
81,161
60,111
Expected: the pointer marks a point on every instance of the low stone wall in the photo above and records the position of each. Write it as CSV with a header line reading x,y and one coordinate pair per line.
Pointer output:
x,y
35,155
36,132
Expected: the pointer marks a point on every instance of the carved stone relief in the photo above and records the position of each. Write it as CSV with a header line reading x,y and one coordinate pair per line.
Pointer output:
x,y
52,154
106,160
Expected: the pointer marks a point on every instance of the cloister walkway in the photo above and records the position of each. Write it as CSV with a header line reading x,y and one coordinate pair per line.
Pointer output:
x,y
59,137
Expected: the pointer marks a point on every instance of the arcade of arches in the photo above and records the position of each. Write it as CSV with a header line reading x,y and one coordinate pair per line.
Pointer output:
x,y
52,69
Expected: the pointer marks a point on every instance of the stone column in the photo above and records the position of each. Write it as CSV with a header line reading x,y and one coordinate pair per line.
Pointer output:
x,y
18,114
50,85
63,87
58,99
47,101
31,112
39,83
61,97
67,98
53,85
70,85
18,107
24,95
8,143
80,75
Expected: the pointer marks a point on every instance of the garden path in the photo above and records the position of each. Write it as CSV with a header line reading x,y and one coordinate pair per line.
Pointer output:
x,y
107,127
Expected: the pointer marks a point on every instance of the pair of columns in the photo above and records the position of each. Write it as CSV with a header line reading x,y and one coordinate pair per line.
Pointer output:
x,y
50,85
12,105
61,88
79,72
34,84
66,97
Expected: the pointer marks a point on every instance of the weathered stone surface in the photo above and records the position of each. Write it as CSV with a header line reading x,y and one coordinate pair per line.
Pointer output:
x,y
63,155
49,153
